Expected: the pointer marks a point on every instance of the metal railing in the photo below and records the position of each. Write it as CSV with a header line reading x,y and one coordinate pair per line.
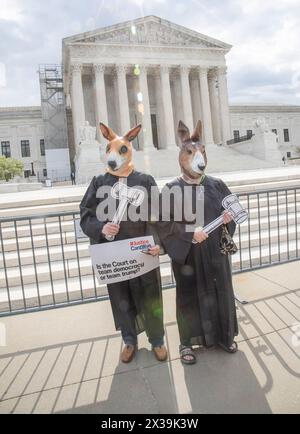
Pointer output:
x,y
44,265
240,139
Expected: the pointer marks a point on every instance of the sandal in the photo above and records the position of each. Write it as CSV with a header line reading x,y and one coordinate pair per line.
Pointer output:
x,y
232,349
187,355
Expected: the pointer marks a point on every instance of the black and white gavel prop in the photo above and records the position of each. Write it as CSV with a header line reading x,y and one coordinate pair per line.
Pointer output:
x,y
126,196
232,205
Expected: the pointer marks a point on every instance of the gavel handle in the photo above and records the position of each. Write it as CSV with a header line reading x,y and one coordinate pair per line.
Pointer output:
x,y
118,216
212,226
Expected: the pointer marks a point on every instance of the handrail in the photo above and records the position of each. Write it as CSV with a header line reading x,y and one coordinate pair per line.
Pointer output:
x,y
240,139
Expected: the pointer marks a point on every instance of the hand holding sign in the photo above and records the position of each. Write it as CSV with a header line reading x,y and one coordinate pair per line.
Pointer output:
x,y
124,260
153,251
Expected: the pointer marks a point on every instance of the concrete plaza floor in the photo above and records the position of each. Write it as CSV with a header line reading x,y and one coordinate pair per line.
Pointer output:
x,y
67,360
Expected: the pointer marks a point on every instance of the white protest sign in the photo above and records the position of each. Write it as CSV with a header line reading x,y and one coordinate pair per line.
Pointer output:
x,y
123,260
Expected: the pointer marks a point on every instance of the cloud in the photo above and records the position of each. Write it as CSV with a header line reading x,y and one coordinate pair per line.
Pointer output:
x,y
11,10
265,39
263,65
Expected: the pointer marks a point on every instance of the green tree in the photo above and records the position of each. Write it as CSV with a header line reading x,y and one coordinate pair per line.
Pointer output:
x,y
9,168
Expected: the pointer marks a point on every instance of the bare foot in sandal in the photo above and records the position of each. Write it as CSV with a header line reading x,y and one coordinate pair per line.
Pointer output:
x,y
232,349
187,355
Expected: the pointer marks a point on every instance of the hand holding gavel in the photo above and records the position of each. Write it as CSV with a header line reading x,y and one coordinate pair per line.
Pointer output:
x,y
233,212
111,229
227,217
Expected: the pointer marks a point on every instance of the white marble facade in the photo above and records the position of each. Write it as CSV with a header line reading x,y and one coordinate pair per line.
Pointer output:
x,y
19,124
279,118
149,71
153,72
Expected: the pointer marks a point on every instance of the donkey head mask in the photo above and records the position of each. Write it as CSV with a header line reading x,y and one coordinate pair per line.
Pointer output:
x,y
192,157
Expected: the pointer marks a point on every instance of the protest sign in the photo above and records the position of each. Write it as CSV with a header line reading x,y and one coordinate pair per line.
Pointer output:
x,y
123,260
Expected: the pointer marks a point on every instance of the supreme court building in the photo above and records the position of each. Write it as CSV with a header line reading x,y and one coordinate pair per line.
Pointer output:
x,y
148,71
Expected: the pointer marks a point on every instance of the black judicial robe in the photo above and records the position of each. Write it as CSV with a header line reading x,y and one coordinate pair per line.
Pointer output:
x,y
136,303
206,311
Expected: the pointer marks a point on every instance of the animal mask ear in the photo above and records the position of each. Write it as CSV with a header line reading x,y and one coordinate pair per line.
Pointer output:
x,y
107,132
197,134
133,133
183,132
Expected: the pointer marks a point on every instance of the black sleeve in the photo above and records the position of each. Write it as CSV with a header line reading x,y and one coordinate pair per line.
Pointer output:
x,y
153,211
226,192
175,240
89,222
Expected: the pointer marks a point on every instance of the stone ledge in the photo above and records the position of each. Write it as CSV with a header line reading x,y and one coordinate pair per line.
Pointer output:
x,y
15,188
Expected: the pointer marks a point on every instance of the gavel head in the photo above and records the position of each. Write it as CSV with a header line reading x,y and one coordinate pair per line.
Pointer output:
x,y
232,204
119,151
133,196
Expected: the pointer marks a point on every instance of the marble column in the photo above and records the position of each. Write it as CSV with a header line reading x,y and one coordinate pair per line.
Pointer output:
x,y
146,114
214,104
206,111
100,96
167,106
78,110
159,111
186,96
224,105
196,99
123,99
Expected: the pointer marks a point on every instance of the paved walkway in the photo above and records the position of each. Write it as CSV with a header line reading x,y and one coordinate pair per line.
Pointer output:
x,y
67,360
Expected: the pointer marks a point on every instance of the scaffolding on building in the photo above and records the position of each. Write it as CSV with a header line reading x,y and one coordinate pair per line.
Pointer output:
x,y
53,104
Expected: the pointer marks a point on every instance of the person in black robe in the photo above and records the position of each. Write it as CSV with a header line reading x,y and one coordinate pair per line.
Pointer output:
x,y
206,311
136,303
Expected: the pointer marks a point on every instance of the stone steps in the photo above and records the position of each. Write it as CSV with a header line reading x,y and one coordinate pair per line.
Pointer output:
x,y
72,285
54,196
43,255
68,199
221,156
70,206
60,275
53,236
250,188
39,210
39,226
50,247
81,250
54,241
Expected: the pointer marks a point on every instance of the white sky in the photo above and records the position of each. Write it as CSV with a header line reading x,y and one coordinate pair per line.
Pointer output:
x,y
264,64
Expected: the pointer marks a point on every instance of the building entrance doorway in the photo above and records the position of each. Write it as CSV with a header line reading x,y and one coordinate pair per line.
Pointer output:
x,y
154,131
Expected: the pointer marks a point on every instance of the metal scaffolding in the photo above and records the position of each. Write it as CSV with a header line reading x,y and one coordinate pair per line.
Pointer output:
x,y
53,106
